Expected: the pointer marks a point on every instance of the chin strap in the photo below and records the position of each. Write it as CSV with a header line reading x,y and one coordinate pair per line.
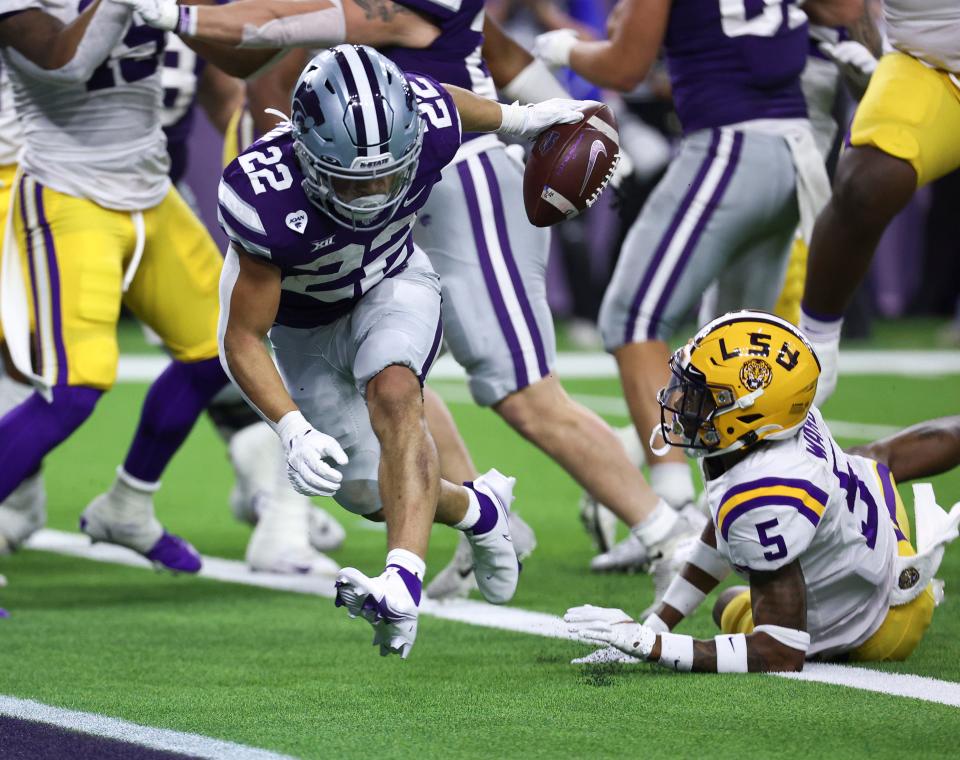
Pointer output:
x,y
658,450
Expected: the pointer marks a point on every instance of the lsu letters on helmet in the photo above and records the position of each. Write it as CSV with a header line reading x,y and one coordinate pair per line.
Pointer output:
x,y
357,134
744,377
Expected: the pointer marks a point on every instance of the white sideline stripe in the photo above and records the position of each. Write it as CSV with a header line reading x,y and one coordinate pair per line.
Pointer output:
x,y
193,745
487,616
597,365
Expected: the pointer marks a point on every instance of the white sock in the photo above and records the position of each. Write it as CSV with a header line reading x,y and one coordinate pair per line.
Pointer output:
x,y
408,561
820,330
473,512
12,393
129,499
657,526
672,483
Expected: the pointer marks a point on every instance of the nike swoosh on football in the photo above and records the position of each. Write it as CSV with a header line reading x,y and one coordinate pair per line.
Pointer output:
x,y
595,150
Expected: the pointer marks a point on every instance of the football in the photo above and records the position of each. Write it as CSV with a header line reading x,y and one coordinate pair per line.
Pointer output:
x,y
570,165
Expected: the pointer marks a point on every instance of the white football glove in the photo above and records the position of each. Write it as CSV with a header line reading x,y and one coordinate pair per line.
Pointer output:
x,y
606,625
530,120
554,48
160,14
305,449
857,62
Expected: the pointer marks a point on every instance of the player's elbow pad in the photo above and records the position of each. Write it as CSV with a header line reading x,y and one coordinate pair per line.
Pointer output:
x,y
106,28
533,84
316,29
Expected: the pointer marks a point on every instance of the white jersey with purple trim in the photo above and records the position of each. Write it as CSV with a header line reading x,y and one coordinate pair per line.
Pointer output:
x,y
326,267
929,30
805,500
100,139
10,134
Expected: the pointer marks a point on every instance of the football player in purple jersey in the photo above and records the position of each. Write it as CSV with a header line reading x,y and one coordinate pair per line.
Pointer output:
x,y
747,172
502,335
320,214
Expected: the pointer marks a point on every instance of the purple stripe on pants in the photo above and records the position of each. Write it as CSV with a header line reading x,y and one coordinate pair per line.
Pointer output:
x,y
434,349
501,220
489,276
664,243
698,231
33,277
54,288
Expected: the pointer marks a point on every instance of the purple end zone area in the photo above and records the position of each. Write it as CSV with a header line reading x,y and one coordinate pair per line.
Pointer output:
x,y
30,740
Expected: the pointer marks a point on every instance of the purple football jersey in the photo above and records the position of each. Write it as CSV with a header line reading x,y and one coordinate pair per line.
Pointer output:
x,y
326,267
736,60
455,56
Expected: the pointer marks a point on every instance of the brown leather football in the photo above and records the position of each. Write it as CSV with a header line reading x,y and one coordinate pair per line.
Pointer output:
x,y
569,166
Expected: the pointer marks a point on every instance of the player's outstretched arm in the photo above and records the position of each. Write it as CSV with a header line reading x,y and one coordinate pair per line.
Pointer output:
x,y
249,299
704,570
921,451
479,114
518,75
636,32
45,48
779,641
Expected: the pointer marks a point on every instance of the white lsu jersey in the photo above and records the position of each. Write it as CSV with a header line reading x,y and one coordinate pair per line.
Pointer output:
x,y
10,137
929,30
100,139
805,500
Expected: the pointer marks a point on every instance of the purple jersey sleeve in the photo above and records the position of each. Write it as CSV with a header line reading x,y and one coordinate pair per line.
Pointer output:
x,y
442,135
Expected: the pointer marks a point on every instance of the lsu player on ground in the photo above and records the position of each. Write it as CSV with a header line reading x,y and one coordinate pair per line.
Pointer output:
x,y
504,337
320,213
290,534
821,535
904,135
96,223
746,174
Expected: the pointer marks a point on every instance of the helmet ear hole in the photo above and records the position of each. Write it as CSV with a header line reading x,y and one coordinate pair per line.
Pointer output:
x,y
748,418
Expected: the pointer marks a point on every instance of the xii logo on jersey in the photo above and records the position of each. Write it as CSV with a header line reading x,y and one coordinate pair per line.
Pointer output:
x,y
297,221
317,245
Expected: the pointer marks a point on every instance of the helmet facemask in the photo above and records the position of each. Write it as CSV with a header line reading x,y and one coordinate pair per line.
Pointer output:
x,y
687,408
364,195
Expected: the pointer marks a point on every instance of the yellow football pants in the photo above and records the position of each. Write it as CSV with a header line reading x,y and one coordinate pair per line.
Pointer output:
x,y
74,256
898,634
911,112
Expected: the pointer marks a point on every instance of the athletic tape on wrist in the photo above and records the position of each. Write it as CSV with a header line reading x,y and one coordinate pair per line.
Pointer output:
x,y
534,84
708,559
683,596
731,653
790,637
676,651
655,623
315,29
187,21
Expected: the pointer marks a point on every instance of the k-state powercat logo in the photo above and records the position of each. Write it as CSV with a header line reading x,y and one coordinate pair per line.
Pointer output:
x,y
297,221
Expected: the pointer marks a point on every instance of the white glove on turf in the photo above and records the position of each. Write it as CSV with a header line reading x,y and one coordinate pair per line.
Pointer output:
x,y
531,120
554,48
160,14
305,449
606,625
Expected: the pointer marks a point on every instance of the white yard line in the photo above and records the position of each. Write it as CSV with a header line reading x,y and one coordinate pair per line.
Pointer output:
x,y
598,365
488,616
192,745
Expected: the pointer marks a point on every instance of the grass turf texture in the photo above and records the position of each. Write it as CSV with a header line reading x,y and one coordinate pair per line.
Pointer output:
x,y
290,673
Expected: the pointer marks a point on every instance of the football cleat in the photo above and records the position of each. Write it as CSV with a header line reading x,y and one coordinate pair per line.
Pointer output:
x,y
22,513
496,566
389,602
628,556
260,472
457,579
124,516
280,544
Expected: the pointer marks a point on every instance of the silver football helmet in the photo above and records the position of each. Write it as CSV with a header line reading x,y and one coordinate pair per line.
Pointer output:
x,y
357,134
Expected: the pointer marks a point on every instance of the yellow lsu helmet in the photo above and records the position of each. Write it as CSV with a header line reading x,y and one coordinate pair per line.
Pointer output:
x,y
744,377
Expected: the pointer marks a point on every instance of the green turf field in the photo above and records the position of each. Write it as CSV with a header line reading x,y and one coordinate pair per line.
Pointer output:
x,y
290,673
